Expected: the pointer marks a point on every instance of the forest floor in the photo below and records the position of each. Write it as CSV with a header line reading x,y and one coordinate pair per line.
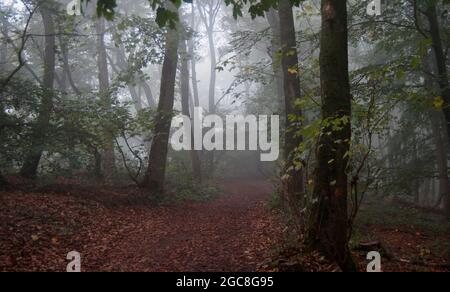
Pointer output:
x,y
233,232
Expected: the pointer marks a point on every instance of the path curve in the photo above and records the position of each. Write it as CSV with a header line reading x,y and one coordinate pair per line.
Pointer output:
x,y
232,233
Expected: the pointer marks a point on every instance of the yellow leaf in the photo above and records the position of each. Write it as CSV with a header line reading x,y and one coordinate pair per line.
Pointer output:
x,y
293,70
438,103
34,237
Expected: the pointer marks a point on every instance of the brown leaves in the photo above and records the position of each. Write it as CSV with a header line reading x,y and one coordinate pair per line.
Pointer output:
x,y
232,233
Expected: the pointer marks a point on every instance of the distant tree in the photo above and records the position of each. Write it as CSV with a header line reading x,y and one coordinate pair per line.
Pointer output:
x,y
191,45
208,11
184,76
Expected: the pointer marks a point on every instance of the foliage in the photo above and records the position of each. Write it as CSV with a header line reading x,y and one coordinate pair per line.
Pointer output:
x,y
181,183
164,16
77,127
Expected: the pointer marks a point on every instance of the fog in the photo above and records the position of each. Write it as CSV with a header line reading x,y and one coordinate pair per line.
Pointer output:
x,y
298,124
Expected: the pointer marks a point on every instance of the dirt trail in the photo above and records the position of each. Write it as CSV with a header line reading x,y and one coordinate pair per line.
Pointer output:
x,y
231,233
234,232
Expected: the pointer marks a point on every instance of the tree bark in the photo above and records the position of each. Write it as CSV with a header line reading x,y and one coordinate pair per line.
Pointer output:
x,y
444,84
329,225
441,156
274,22
438,49
196,167
440,136
42,125
293,182
108,155
155,177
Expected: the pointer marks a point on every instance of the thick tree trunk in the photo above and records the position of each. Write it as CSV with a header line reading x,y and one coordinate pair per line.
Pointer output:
x,y
442,74
440,136
108,155
293,182
156,172
41,128
329,226
196,167
438,49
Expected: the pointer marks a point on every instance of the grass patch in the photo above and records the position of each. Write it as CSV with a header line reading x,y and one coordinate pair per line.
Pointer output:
x,y
391,215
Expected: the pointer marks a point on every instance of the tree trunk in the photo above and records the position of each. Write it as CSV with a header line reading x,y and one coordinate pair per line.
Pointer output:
x,y
3,181
208,11
148,94
191,45
442,73
293,182
196,168
438,49
415,184
108,155
441,156
440,136
274,22
212,82
4,45
41,128
329,226
156,171
3,62
210,156
66,66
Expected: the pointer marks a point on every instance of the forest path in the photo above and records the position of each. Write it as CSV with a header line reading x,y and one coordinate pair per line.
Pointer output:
x,y
234,232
